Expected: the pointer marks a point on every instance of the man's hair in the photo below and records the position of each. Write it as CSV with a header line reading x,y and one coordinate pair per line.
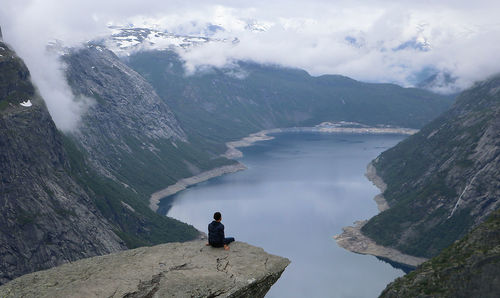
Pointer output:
x,y
217,215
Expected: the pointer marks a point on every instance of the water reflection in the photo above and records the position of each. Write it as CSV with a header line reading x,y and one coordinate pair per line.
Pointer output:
x,y
300,189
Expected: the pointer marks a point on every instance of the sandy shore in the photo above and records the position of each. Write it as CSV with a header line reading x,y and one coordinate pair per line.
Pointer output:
x,y
353,240
371,174
182,184
232,151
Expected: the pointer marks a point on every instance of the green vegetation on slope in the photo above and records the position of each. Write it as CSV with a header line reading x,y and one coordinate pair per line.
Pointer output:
x,y
148,171
128,211
226,104
468,268
426,174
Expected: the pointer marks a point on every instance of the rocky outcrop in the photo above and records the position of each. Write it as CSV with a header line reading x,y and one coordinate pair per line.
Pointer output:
x,y
444,180
188,269
468,268
47,218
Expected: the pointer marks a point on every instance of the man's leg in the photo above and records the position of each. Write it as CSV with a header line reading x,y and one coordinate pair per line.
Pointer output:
x,y
228,240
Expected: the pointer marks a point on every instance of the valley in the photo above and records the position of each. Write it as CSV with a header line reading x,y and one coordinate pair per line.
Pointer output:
x,y
151,129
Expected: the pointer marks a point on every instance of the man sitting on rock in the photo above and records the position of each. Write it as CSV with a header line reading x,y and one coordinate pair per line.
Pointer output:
x,y
216,236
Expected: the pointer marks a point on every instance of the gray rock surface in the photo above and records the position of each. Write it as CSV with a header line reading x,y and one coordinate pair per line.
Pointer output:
x,y
129,134
125,108
188,269
47,218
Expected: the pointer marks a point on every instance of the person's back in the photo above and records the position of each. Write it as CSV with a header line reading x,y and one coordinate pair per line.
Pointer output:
x,y
216,237
216,234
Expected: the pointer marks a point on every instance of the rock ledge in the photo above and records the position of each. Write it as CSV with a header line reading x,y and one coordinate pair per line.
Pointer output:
x,y
188,269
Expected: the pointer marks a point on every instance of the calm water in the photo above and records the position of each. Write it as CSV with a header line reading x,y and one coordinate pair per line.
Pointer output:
x,y
300,189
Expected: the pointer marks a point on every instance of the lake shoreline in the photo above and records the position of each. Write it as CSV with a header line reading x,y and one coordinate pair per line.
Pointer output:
x,y
352,239
182,184
233,153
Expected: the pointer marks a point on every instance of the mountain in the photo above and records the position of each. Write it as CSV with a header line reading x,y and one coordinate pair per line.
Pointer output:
x,y
132,141
444,180
129,129
85,193
468,268
229,103
47,216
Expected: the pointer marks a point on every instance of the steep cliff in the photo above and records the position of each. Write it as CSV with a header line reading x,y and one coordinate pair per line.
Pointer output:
x,y
188,269
445,179
468,268
47,218
129,134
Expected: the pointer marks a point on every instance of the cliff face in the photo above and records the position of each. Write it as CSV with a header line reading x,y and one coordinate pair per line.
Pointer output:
x,y
468,268
444,180
129,133
188,269
47,218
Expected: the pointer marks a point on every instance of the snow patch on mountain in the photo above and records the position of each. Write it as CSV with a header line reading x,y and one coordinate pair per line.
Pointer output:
x,y
26,103
125,41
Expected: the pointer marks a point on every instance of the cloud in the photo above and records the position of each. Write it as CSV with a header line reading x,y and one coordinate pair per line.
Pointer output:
x,y
384,45
371,40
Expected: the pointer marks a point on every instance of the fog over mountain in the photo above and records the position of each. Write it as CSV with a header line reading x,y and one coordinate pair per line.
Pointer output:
x,y
444,46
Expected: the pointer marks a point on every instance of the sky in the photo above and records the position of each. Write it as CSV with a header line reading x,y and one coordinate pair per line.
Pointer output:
x,y
399,42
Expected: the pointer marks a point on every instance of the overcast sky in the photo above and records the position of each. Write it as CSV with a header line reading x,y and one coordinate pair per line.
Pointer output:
x,y
354,38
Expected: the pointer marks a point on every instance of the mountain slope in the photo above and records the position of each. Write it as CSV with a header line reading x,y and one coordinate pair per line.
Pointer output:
x,y
443,180
468,268
230,103
47,217
131,140
129,133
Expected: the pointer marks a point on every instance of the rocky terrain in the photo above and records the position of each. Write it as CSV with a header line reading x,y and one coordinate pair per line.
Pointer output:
x,y
444,180
47,217
188,269
468,268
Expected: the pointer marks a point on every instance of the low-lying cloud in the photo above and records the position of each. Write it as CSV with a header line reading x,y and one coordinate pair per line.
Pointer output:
x,y
375,40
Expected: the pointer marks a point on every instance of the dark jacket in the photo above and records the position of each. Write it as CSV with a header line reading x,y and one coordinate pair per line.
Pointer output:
x,y
216,234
